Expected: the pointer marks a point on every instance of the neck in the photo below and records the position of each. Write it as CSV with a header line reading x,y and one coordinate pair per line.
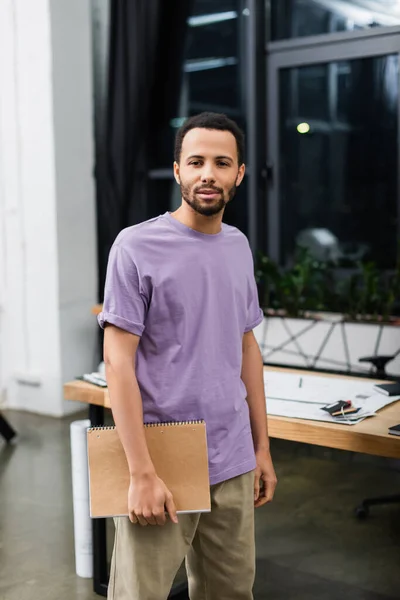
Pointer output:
x,y
189,217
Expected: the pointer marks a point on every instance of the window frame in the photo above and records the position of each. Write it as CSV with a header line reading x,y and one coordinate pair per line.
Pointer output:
x,y
308,51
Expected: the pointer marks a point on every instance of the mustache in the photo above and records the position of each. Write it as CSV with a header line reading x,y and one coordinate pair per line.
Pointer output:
x,y
210,188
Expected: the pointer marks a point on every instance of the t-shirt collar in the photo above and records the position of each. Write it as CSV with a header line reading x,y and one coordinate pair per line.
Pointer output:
x,y
193,232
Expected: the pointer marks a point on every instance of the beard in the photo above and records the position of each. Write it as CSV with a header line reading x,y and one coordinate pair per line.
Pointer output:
x,y
189,195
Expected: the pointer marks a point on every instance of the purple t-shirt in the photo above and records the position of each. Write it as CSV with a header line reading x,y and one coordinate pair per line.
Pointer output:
x,y
190,296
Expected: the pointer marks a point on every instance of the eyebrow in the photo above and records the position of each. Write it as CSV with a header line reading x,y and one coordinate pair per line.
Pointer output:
x,y
216,158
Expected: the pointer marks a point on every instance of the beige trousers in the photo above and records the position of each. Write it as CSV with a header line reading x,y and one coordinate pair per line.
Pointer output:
x,y
218,547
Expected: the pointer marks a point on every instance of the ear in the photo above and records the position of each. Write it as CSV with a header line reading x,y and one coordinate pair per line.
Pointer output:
x,y
176,173
240,175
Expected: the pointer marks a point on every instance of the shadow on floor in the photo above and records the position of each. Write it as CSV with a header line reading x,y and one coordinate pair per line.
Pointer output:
x,y
280,583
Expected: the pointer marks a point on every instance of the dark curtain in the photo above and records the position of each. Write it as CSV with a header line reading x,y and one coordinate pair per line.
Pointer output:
x,y
146,51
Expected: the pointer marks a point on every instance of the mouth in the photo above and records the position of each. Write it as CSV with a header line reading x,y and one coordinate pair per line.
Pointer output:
x,y
208,194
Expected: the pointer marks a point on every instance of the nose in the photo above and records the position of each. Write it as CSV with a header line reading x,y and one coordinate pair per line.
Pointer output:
x,y
207,174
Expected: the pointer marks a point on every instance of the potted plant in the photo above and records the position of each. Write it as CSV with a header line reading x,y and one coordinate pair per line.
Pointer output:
x,y
319,315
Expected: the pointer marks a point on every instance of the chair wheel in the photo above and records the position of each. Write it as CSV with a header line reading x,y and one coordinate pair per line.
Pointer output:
x,y
362,512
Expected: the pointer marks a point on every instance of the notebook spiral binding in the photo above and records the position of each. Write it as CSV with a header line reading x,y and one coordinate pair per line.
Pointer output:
x,y
165,424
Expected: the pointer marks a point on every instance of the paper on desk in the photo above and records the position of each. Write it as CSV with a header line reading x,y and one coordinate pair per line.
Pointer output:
x,y
375,402
286,386
303,410
286,400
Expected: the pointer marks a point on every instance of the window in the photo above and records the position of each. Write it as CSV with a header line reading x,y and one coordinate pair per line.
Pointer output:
x,y
213,72
339,156
298,18
213,79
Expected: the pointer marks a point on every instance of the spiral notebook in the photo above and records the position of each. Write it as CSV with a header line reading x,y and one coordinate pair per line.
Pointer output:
x,y
179,454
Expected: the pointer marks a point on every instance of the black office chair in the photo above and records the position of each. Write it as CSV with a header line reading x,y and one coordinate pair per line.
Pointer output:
x,y
362,511
379,362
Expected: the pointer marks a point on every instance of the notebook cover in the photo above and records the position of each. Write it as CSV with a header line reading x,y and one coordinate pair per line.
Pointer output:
x,y
394,430
179,454
390,389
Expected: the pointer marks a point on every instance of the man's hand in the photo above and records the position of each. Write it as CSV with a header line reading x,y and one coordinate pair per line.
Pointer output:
x,y
148,498
266,473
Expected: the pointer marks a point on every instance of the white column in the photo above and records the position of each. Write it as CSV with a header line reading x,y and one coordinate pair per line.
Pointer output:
x,y
47,209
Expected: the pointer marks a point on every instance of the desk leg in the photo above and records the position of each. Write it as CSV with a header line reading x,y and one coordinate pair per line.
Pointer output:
x,y
179,592
6,430
96,415
100,567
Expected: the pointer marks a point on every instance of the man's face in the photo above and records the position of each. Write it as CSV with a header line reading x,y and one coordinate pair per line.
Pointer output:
x,y
208,171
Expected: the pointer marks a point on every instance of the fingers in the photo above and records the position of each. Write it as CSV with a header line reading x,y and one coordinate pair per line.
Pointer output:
x,y
161,518
133,518
147,517
260,502
269,492
266,493
137,517
262,499
269,487
142,521
153,513
170,506
144,518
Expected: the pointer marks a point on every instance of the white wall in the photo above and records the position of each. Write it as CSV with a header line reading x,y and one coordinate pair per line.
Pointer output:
x,y
48,270
74,159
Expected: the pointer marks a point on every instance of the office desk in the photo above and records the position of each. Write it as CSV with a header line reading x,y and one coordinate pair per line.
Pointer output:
x,y
369,437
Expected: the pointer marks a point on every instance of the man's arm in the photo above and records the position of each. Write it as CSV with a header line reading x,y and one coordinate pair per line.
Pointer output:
x,y
252,376
147,493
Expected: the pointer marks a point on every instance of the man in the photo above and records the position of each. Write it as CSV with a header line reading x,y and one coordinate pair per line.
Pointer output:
x,y
180,305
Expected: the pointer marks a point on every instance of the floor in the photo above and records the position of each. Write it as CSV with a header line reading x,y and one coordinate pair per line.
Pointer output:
x,y
309,543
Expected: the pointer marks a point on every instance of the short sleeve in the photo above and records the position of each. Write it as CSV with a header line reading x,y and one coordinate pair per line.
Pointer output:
x,y
125,304
255,314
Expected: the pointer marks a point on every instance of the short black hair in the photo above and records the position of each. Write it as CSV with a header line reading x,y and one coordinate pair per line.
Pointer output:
x,y
210,120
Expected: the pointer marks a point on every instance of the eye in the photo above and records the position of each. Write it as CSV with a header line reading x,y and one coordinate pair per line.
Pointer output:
x,y
195,163
222,163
